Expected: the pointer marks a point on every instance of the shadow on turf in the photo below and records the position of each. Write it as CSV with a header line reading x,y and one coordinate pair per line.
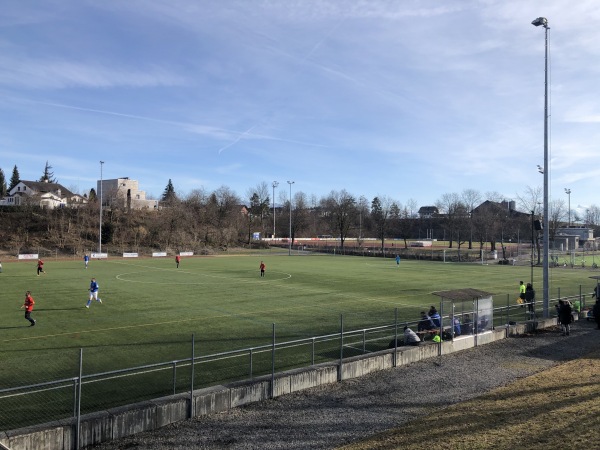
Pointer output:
x,y
52,309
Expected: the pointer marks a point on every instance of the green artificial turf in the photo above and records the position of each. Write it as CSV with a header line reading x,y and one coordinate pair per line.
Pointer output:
x,y
151,309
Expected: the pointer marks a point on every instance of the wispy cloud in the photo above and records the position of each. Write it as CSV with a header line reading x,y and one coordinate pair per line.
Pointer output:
x,y
55,74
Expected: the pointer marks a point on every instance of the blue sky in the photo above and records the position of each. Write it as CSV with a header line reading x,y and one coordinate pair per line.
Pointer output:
x,y
404,99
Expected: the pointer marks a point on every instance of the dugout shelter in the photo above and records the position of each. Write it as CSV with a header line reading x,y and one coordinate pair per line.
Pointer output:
x,y
466,311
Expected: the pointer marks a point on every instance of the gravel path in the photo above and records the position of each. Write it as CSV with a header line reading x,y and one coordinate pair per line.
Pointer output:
x,y
334,415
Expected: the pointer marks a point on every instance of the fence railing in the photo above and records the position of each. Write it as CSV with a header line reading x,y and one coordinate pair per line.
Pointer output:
x,y
74,396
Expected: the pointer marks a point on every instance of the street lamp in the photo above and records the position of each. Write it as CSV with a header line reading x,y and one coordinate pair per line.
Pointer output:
x,y
544,23
100,231
568,192
290,238
532,227
275,184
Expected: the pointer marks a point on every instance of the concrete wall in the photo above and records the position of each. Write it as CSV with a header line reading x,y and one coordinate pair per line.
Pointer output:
x,y
116,423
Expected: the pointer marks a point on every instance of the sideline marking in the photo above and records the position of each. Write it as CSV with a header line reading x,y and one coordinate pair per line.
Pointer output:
x,y
286,276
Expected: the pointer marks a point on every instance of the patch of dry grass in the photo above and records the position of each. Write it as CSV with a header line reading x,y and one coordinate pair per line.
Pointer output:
x,y
554,409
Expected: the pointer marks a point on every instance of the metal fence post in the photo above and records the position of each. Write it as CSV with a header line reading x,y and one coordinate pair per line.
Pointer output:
x,y
507,314
273,366
192,377
174,377
341,346
313,351
364,341
77,429
441,327
476,320
395,336
251,364
75,387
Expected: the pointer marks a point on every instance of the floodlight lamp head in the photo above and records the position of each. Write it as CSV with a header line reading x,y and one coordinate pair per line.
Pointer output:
x,y
540,21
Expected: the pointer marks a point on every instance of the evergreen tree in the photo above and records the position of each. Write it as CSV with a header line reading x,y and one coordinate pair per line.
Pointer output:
x,y
92,197
14,180
3,187
169,193
48,174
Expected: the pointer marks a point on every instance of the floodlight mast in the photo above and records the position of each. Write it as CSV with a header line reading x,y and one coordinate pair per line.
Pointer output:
x,y
568,192
290,238
275,184
542,21
100,230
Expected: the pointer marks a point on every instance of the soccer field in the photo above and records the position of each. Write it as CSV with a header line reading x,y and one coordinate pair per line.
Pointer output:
x,y
151,309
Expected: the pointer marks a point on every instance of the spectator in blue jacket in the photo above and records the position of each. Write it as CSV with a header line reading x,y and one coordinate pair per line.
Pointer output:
x,y
435,317
456,325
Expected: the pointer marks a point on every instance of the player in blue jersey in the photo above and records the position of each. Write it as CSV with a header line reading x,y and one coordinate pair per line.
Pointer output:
x,y
94,288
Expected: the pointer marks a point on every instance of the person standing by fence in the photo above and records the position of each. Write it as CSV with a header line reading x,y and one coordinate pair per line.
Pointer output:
x,y
530,298
596,311
565,316
28,305
522,293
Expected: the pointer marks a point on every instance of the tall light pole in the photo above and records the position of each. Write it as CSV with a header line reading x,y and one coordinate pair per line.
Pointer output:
x,y
290,238
532,248
275,184
568,192
100,230
546,264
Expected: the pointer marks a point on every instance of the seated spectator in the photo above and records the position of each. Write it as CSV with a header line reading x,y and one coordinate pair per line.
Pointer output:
x,y
467,325
456,326
435,317
483,323
425,323
410,337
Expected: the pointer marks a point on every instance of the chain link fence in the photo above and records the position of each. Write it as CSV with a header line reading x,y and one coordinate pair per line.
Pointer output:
x,y
95,379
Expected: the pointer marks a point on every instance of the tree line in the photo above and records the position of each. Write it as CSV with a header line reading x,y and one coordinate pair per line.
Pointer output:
x,y
202,220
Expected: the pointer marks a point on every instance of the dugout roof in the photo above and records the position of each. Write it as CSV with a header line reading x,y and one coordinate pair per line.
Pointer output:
x,y
463,294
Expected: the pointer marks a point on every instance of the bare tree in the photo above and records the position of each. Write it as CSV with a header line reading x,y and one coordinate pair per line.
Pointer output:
x,y
531,201
557,215
341,211
300,214
454,216
592,215
260,201
471,199
224,213
381,215
363,217
411,208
